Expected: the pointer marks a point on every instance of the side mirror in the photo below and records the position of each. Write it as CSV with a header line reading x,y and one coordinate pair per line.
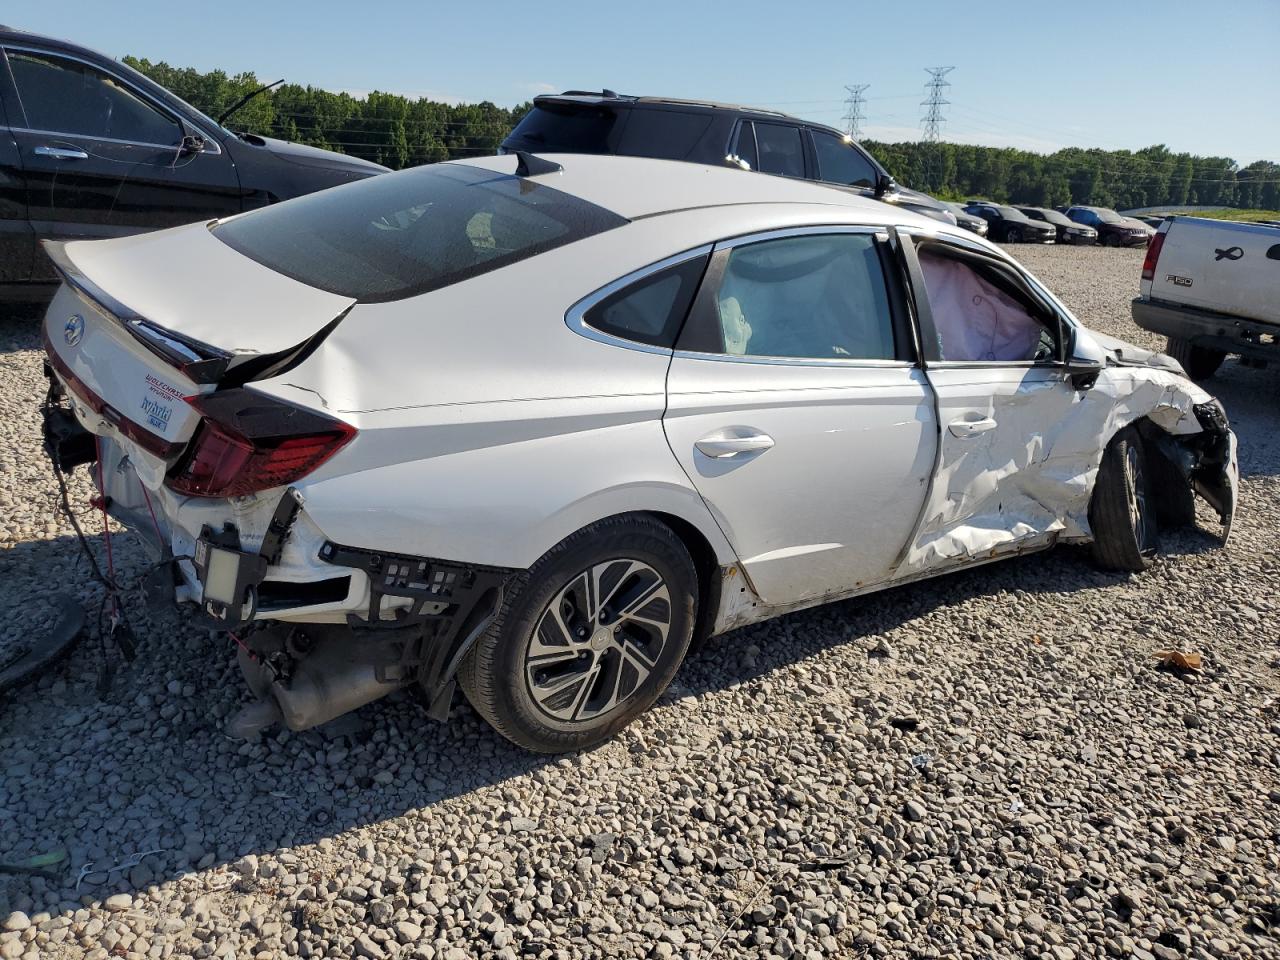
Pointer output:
x,y
885,184
733,160
191,143
1082,368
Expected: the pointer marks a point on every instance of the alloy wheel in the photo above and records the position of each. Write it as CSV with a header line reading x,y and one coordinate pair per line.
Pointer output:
x,y
598,640
1140,514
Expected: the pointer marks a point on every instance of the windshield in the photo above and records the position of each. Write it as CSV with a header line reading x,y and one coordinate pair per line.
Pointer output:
x,y
407,233
1053,216
1108,216
1011,214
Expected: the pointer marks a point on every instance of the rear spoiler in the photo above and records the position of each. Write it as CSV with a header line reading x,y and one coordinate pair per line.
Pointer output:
x,y
199,361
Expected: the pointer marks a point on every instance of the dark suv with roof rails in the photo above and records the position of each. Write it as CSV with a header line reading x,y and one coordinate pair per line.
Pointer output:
x,y
700,131
91,148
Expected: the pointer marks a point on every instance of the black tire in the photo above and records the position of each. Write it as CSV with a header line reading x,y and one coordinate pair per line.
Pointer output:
x,y
501,675
1111,240
1122,512
1201,363
1013,235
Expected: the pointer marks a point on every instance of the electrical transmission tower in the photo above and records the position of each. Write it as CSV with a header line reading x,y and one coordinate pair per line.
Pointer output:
x,y
854,116
936,88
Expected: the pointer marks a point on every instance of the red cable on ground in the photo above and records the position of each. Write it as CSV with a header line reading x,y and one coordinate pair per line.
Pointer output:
x,y
106,527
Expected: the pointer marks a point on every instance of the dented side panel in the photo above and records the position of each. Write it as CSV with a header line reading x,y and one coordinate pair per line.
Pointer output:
x,y
1027,481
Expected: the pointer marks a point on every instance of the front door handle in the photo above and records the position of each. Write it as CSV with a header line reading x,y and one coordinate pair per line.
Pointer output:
x,y
970,428
724,444
61,153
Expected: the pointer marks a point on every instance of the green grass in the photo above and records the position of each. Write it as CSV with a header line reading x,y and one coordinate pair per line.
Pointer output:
x,y
1245,216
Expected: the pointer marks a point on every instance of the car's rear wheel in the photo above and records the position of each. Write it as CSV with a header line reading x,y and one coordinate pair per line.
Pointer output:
x,y
588,638
1123,513
1201,363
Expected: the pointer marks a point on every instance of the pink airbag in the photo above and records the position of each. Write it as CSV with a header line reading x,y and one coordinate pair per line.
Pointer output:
x,y
974,319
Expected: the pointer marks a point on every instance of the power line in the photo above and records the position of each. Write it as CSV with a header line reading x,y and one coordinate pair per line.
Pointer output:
x,y
854,116
936,88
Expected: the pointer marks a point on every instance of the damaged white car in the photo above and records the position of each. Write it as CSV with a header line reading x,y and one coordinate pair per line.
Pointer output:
x,y
532,424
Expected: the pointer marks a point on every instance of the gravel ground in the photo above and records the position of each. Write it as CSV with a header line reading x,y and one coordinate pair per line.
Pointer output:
x,y
989,764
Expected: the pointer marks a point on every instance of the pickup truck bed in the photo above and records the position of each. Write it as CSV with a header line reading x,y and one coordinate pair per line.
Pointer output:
x,y
1213,288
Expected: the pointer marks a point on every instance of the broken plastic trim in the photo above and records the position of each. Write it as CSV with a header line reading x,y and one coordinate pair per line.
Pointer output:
x,y
451,605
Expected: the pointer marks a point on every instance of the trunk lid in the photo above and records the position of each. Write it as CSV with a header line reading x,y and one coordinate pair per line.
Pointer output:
x,y
142,322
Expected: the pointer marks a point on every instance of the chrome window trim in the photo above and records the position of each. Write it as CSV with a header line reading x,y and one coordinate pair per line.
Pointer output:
x,y
782,233
140,94
576,316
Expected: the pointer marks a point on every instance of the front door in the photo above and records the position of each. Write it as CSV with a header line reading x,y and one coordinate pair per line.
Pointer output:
x,y
994,347
797,413
101,159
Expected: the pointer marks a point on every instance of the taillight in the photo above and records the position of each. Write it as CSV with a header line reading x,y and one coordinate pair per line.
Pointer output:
x,y
1153,254
248,442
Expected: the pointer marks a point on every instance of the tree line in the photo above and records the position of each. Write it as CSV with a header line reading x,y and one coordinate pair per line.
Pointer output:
x,y
398,132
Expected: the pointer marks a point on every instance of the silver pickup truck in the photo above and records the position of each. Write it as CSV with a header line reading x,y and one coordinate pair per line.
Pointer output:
x,y
1213,288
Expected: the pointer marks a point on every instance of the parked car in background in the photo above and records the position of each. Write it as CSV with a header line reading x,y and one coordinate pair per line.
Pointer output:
x,y
1009,225
631,366
1213,288
1113,229
1152,220
1068,230
91,148
967,220
700,131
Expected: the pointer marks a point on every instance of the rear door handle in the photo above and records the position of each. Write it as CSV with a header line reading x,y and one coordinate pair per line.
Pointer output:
x,y
726,443
61,153
970,428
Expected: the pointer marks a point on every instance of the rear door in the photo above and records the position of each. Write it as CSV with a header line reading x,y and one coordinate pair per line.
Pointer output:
x,y
796,410
102,159
17,240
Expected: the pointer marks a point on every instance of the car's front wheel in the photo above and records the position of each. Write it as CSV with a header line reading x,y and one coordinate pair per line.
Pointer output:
x,y
588,638
1013,235
1122,512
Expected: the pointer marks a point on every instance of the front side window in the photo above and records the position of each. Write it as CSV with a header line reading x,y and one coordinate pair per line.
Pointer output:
x,y
66,96
407,233
781,150
840,162
981,314
820,297
652,309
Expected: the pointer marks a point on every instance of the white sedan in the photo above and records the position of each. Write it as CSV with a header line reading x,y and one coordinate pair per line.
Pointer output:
x,y
532,424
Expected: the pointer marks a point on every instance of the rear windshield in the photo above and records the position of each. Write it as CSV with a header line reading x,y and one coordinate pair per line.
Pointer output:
x,y
401,234
564,129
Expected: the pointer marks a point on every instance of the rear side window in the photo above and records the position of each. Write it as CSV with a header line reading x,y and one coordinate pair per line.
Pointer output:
x,y
665,134
402,234
564,129
840,162
652,309
65,96
781,150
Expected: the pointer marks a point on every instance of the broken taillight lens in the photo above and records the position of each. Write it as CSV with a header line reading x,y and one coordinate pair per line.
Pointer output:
x,y
1153,255
247,442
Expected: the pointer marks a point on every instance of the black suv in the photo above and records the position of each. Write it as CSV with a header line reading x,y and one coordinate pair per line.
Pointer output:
x,y
91,148
698,131
1008,225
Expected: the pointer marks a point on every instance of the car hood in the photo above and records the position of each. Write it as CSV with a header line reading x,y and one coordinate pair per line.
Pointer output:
x,y
1126,354
303,155
1130,223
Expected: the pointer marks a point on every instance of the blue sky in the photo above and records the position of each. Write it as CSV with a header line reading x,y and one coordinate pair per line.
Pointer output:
x,y
1115,74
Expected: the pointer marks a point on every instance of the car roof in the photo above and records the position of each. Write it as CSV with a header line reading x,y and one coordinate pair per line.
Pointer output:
x,y
637,187
591,98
